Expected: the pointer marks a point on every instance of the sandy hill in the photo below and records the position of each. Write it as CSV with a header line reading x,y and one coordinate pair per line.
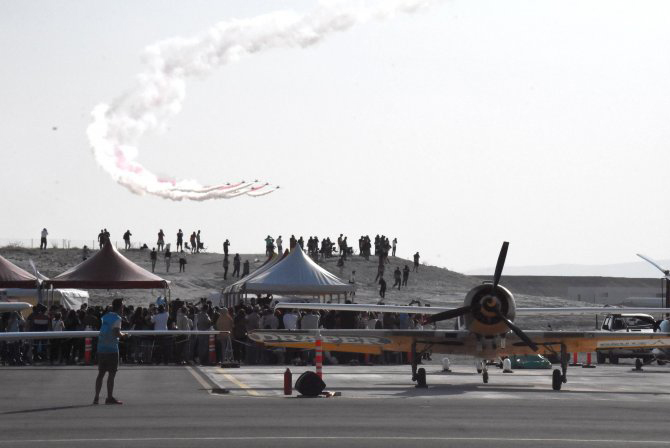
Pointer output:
x,y
204,275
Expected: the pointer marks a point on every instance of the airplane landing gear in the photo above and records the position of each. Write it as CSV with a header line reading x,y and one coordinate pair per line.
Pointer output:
x,y
421,378
564,364
638,364
556,380
418,375
485,373
559,377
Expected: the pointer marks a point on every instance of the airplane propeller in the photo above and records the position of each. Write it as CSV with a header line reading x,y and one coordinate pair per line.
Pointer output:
x,y
457,312
665,272
499,265
517,331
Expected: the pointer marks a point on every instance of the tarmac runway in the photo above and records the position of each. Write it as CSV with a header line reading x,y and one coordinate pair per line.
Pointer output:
x,y
176,406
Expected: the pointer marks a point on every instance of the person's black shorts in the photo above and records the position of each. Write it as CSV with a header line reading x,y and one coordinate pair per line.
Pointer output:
x,y
108,362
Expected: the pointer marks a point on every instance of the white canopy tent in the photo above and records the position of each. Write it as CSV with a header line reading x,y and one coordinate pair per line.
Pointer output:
x,y
294,274
71,299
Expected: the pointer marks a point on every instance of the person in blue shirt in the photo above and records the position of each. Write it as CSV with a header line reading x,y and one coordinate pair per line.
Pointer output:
x,y
664,327
108,351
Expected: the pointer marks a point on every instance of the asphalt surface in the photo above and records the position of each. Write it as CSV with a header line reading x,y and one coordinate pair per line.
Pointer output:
x,y
176,407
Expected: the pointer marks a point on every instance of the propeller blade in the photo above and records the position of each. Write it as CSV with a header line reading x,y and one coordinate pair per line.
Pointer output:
x,y
32,265
656,265
500,264
449,314
517,331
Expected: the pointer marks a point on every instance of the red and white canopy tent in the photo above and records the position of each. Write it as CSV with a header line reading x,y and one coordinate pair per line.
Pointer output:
x,y
108,269
12,276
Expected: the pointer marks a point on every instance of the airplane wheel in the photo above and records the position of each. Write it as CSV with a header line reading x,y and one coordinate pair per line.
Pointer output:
x,y
638,364
601,357
614,359
556,380
660,363
485,377
421,378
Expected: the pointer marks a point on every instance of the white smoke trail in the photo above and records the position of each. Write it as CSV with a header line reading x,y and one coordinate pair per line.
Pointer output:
x,y
116,130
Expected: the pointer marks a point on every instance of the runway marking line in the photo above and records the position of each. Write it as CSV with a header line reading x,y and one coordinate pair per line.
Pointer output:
x,y
240,384
200,380
446,439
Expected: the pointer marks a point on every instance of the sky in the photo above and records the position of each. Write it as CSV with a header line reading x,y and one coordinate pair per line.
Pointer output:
x,y
452,129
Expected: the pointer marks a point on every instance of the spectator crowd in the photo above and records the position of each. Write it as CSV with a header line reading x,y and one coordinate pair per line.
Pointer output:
x,y
239,321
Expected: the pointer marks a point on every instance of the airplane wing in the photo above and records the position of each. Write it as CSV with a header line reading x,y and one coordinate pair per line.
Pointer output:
x,y
94,334
456,341
7,307
356,341
577,310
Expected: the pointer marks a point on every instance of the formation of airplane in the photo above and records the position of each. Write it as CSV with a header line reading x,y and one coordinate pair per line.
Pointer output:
x,y
485,330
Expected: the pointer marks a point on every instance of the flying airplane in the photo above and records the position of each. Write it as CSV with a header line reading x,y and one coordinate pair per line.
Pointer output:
x,y
487,331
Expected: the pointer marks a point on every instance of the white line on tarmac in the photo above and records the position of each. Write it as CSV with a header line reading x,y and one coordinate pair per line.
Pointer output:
x,y
202,382
372,438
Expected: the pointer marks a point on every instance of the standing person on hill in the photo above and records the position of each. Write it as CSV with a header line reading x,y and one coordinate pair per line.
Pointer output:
x,y
126,239
182,261
405,275
380,271
269,245
101,239
168,258
161,240
225,266
236,265
193,246
197,242
153,256
416,262
382,288
226,245
180,241
292,242
395,243
301,243
397,275
245,268
107,237
43,239
279,245
108,351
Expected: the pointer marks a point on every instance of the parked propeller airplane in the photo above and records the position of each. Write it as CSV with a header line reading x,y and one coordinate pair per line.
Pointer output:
x,y
487,331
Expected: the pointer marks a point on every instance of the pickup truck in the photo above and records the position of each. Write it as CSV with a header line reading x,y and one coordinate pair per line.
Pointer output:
x,y
634,323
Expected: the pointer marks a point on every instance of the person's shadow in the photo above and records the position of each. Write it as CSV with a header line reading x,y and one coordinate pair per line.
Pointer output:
x,y
55,408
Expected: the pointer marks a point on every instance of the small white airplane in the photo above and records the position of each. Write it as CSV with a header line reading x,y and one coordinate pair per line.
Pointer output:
x,y
485,330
